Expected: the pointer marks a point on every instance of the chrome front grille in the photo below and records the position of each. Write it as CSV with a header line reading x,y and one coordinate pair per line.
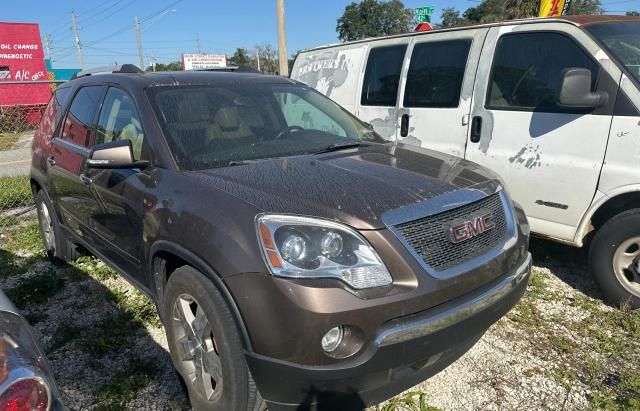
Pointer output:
x,y
430,240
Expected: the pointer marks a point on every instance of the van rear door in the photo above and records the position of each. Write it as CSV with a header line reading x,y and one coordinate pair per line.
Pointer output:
x,y
549,156
437,90
379,89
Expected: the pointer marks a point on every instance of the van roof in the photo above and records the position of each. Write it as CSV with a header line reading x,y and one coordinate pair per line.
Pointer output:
x,y
575,20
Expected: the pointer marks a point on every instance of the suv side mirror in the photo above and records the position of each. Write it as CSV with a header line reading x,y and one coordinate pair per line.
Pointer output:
x,y
575,90
115,154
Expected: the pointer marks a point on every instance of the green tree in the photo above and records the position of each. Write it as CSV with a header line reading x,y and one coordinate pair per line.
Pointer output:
x,y
489,11
450,17
633,13
240,57
372,18
171,66
579,7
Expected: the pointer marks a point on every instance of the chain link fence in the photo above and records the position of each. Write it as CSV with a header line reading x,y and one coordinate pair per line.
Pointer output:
x,y
21,107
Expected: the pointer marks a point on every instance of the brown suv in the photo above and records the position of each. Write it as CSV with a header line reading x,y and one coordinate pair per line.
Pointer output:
x,y
296,258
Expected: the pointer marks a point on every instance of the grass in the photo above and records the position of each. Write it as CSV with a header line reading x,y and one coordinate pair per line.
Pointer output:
x,y
94,267
597,350
15,192
125,383
35,289
7,141
408,401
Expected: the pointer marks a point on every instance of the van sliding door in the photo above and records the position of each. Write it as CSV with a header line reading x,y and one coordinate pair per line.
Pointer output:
x,y
437,89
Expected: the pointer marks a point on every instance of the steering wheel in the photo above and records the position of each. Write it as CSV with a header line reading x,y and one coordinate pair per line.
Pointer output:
x,y
290,129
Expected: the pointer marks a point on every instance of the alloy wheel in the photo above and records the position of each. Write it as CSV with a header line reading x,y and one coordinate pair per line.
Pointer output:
x,y
46,227
626,265
197,348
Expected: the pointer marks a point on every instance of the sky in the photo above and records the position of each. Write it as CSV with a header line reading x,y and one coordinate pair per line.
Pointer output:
x,y
106,27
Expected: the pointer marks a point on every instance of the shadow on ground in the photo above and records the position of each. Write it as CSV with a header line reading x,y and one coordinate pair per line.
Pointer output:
x,y
569,264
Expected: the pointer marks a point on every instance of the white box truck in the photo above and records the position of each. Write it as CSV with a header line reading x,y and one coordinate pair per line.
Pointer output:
x,y
551,105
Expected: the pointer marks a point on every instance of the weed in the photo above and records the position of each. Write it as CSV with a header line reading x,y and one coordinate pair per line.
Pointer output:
x,y
94,267
63,334
125,383
35,289
408,401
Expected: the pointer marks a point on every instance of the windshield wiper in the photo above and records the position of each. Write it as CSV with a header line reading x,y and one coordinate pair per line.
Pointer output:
x,y
338,146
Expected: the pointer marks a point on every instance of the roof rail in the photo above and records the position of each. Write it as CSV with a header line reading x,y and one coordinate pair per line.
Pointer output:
x,y
122,68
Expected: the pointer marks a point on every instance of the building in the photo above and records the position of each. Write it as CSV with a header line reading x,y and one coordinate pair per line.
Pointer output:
x,y
22,60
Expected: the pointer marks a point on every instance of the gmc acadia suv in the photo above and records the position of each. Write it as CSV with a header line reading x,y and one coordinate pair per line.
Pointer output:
x,y
295,257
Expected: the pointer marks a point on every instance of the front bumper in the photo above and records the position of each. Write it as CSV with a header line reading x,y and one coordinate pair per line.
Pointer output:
x,y
406,351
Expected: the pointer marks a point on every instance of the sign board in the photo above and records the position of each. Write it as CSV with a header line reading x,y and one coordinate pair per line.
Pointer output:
x,y
203,61
554,8
423,14
22,59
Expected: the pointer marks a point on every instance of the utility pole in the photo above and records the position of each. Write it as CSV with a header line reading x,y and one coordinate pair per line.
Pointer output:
x,y
258,57
74,26
47,40
198,43
141,59
282,39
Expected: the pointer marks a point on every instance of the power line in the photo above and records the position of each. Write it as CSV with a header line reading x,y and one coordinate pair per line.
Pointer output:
x,y
102,19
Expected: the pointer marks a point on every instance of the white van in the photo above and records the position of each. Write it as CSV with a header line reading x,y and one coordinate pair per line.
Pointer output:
x,y
551,105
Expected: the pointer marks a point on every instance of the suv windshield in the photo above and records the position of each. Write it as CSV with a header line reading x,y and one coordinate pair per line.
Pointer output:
x,y
210,126
622,40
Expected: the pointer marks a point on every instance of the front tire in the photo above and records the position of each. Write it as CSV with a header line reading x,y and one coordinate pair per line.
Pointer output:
x,y
614,258
205,344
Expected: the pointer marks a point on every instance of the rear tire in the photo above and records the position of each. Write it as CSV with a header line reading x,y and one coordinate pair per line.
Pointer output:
x,y
614,258
205,345
55,243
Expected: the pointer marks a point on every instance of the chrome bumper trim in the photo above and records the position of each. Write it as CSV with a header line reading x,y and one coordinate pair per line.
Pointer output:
x,y
406,331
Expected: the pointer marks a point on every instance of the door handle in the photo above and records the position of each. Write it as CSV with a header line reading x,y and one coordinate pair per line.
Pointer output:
x,y
51,161
476,129
404,125
86,179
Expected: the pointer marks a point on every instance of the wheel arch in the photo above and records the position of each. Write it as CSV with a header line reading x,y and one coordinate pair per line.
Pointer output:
x,y
608,206
165,257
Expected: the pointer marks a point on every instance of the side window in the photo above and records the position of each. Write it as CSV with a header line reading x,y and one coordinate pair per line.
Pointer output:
x,y
119,120
79,123
299,112
435,74
527,68
382,76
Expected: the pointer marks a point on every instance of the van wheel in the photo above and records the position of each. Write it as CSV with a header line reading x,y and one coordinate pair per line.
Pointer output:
x,y
614,258
55,244
205,345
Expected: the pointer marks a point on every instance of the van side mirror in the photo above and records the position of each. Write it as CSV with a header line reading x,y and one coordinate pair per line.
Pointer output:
x,y
115,154
575,90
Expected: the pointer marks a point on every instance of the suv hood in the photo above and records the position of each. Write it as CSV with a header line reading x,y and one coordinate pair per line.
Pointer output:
x,y
354,186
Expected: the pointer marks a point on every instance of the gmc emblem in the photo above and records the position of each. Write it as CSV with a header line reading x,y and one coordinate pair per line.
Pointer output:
x,y
466,230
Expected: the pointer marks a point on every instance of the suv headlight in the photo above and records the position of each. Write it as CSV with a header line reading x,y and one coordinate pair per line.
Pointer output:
x,y
303,247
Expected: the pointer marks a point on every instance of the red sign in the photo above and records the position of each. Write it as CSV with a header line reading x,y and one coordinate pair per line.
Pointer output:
x,y
22,59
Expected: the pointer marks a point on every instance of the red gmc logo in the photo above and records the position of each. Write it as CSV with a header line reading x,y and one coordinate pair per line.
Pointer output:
x,y
466,230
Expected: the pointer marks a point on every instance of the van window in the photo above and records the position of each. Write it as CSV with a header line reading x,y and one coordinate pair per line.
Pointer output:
x,y
382,76
80,120
435,74
119,120
527,68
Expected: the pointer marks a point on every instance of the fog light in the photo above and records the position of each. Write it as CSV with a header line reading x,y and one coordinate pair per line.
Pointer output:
x,y
332,339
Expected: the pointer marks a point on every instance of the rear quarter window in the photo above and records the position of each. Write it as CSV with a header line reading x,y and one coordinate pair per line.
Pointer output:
x,y
53,112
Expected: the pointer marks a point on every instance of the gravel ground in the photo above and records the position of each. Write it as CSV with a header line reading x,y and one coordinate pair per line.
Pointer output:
x,y
560,348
